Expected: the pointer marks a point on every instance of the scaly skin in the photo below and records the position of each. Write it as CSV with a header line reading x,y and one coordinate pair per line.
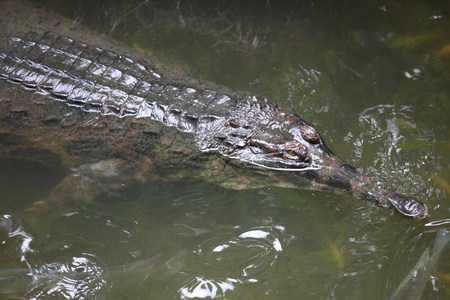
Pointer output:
x,y
81,104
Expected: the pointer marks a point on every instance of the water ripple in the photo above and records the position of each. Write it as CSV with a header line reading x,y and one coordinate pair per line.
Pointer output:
x,y
405,149
234,260
207,288
254,250
14,230
82,278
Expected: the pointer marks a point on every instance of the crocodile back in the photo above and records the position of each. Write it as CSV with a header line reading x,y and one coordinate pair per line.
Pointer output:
x,y
242,126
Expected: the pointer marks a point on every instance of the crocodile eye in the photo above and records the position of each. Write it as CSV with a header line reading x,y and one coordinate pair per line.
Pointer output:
x,y
291,153
309,134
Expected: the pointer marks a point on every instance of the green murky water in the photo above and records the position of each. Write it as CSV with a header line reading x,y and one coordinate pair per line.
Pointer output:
x,y
374,79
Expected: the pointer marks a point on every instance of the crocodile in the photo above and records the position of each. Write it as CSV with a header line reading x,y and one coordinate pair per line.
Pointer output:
x,y
114,113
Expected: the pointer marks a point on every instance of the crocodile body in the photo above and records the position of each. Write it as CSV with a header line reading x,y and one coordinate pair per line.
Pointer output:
x,y
84,103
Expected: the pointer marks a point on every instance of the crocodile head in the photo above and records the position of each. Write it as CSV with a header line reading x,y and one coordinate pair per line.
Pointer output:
x,y
294,154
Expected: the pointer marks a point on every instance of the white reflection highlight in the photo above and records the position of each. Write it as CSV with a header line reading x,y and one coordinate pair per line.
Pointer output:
x,y
207,288
26,240
438,222
277,245
260,234
256,234
220,248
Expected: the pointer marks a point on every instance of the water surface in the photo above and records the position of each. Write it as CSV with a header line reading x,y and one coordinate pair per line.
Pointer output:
x,y
372,77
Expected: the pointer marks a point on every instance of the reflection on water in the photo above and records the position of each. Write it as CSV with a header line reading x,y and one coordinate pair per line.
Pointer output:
x,y
438,222
412,286
20,238
232,244
372,77
82,278
206,242
206,288
393,131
